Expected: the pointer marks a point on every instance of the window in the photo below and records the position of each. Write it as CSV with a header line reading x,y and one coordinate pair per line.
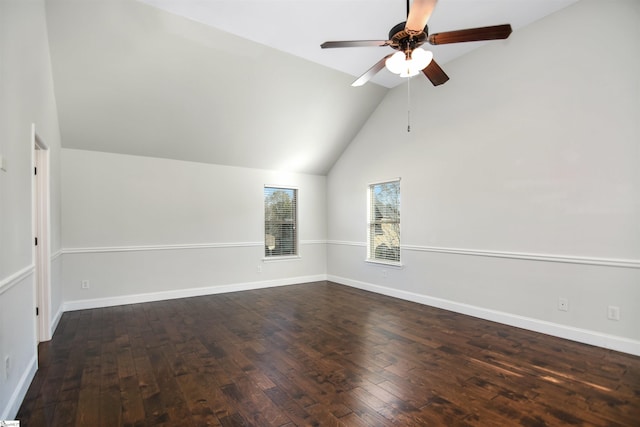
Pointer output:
x,y
384,222
280,221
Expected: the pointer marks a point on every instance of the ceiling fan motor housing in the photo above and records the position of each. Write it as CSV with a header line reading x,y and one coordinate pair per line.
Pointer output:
x,y
404,41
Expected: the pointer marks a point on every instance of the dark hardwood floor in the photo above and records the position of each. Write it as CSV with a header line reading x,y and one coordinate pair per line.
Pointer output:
x,y
319,354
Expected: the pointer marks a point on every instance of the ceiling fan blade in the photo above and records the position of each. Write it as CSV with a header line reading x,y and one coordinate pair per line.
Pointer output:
x,y
419,15
355,43
371,72
435,74
495,32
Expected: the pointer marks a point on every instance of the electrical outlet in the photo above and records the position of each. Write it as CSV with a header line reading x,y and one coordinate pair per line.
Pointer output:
x,y
84,284
563,304
259,269
613,312
384,273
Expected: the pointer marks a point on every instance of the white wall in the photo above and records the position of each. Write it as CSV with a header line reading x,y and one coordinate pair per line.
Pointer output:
x,y
26,98
141,228
520,181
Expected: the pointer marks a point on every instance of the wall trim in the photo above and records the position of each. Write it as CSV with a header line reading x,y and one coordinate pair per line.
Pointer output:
x,y
186,293
584,336
135,248
56,254
313,242
346,243
13,405
567,259
17,277
56,320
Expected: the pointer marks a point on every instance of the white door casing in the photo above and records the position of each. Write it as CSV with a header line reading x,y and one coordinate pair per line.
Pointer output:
x,y
41,232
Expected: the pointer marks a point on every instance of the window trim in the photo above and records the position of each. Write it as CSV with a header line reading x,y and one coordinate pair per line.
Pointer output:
x,y
288,257
369,259
278,258
396,264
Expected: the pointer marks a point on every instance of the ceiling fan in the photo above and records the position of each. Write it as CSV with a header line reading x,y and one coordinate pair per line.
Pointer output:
x,y
407,37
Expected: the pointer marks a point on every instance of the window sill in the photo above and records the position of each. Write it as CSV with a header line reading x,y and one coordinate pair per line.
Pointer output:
x,y
282,258
385,263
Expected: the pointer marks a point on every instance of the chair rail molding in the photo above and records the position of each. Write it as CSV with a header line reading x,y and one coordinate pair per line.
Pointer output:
x,y
567,259
168,247
10,281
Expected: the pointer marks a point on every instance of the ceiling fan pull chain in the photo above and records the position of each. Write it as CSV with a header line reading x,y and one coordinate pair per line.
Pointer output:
x,y
408,105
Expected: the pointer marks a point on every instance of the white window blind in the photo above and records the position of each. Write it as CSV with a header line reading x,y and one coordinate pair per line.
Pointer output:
x,y
384,222
280,221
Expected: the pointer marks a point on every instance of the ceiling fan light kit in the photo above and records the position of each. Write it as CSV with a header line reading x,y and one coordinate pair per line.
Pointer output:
x,y
407,37
410,63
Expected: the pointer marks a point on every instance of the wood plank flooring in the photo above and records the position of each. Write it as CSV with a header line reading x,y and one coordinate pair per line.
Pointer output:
x,y
319,354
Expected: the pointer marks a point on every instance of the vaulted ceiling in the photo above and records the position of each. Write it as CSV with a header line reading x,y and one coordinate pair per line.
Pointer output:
x,y
235,82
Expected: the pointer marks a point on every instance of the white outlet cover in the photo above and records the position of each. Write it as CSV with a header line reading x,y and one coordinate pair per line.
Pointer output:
x,y
563,304
613,313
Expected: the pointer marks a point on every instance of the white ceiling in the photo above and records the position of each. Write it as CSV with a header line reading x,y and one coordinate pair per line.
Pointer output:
x,y
236,82
299,27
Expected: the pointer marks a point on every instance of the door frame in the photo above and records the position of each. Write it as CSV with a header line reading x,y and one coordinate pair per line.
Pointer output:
x,y
41,231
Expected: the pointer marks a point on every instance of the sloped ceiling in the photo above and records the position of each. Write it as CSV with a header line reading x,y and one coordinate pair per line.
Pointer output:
x,y
237,83
132,79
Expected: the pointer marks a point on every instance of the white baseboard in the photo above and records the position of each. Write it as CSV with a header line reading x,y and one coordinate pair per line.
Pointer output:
x,y
56,320
10,411
584,336
185,293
